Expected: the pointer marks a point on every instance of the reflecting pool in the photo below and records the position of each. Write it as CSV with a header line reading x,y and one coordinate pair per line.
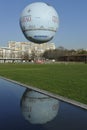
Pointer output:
x,y
23,109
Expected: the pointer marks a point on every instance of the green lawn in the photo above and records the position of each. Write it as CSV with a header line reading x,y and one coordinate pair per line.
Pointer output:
x,y
69,80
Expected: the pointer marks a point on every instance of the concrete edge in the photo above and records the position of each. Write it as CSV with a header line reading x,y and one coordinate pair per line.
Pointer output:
x,y
56,96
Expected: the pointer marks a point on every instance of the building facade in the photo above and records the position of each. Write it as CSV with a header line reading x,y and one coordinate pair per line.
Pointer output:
x,y
18,49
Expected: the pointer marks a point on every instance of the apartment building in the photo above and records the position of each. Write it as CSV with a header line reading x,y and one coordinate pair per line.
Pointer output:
x,y
21,47
17,49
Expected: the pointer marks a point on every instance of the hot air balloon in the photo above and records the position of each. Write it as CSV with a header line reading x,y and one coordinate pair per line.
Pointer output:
x,y
39,22
38,108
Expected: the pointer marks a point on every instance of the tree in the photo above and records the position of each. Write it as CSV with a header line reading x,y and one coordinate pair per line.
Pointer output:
x,y
81,51
25,56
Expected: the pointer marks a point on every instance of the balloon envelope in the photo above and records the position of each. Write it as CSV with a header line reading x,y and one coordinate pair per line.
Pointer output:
x,y
39,22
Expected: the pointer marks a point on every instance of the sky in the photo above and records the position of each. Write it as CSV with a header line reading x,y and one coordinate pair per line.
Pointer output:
x,y
72,31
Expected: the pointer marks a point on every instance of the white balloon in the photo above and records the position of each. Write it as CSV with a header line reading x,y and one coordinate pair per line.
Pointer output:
x,y
38,108
39,22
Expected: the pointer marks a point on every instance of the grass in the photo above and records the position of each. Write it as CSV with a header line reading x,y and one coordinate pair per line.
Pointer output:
x,y
67,80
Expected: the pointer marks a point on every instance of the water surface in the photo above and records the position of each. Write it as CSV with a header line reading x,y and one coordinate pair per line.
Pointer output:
x,y
68,117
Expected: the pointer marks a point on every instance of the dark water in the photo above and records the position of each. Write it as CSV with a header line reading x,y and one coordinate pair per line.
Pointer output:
x,y
69,117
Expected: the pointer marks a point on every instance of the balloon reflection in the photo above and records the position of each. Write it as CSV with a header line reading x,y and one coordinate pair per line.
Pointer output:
x,y
38,108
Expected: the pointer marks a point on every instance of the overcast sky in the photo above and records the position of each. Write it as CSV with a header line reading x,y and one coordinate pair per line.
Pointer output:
x,y
72,32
